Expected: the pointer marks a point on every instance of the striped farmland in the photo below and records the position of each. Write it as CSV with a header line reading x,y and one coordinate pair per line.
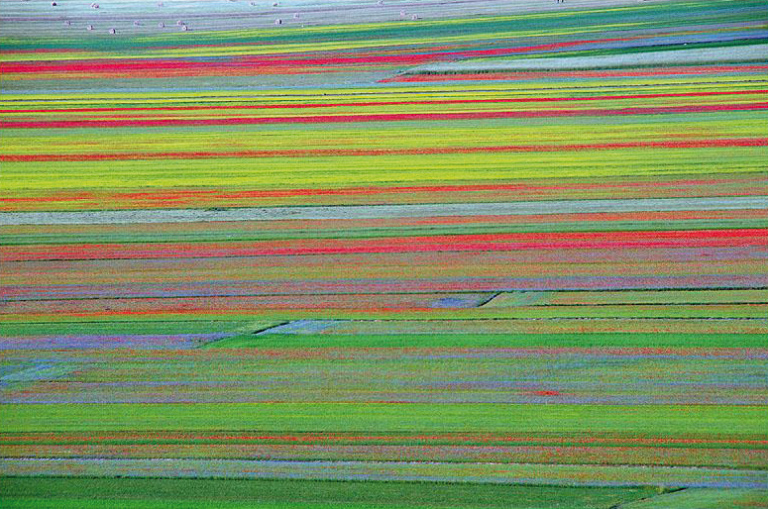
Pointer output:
x,y
397,254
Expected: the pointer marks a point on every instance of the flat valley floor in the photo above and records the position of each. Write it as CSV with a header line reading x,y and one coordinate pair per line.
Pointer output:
x,y
396,254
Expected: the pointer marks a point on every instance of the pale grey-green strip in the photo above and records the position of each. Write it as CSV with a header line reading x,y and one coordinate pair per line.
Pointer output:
x,y
748,53
383,211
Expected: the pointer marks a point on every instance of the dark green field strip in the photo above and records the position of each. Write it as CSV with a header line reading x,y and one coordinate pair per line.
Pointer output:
x,y
156,493
631,297
650,420
619,340
248,339
9,450
702,498
364,324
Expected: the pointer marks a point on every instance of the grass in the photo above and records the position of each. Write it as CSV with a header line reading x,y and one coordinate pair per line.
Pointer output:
x,y
694,498
655,420
619,340
204,493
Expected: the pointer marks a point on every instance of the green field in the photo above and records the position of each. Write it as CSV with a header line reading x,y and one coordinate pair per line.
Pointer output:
x,y
385,254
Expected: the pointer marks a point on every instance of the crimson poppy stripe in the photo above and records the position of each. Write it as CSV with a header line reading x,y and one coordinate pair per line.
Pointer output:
x,y
481,242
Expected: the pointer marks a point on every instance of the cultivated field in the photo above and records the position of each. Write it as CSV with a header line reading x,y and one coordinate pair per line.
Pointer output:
x,y
397,254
